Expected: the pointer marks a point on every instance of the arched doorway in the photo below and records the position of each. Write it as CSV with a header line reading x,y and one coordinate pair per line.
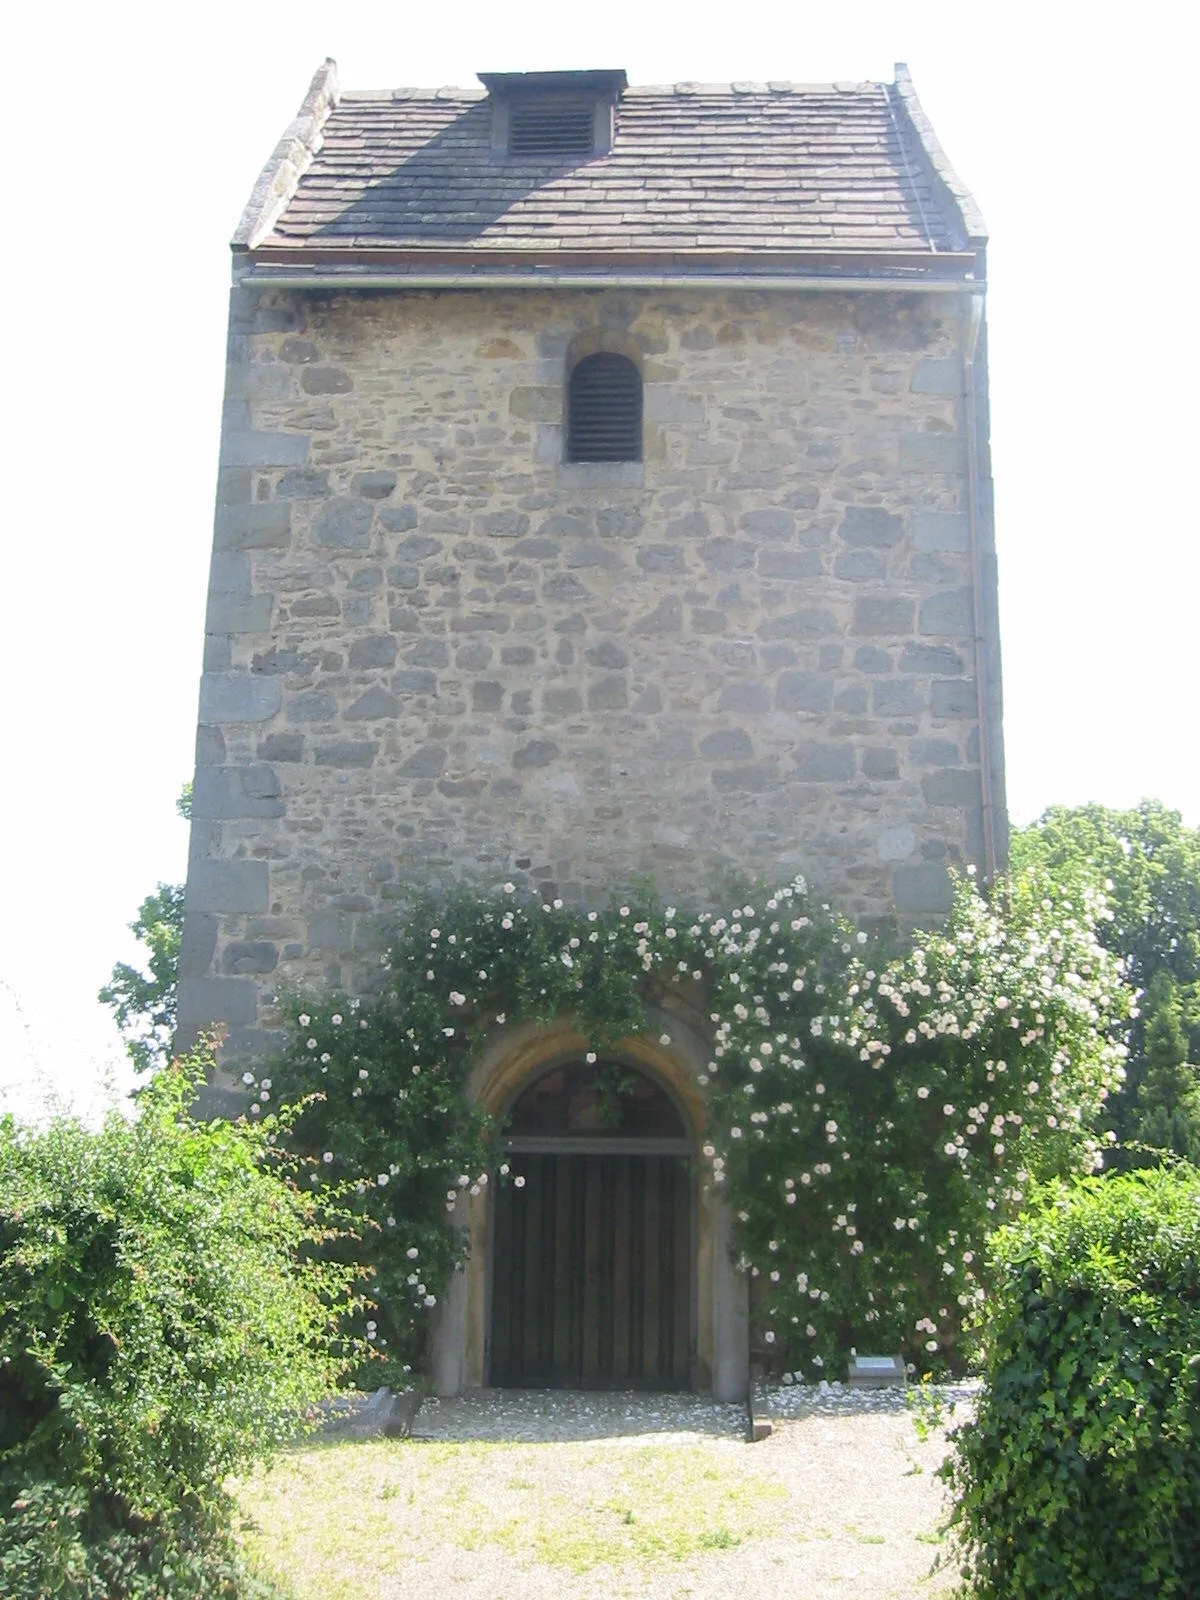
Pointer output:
x,y
593,1244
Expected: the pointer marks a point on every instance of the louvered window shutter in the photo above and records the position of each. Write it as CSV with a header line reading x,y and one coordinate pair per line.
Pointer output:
x,y
605,410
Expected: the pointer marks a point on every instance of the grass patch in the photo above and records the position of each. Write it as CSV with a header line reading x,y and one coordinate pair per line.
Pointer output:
x,y
329,1523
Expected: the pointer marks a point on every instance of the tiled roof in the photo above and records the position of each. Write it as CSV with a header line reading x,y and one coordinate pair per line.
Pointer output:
x,y
758,171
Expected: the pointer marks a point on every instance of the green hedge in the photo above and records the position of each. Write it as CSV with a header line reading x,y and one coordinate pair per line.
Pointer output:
x,y
163,1322
1081,1474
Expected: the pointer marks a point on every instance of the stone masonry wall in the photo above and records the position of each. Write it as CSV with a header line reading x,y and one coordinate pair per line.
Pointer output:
x,y
436,651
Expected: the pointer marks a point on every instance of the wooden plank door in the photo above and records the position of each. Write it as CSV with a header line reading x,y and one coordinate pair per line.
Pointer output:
x,y
592,1274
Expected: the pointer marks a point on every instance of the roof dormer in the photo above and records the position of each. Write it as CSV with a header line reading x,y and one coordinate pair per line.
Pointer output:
x,y
552,116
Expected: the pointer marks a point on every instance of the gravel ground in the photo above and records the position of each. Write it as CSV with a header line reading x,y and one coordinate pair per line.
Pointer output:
x,y
856,1504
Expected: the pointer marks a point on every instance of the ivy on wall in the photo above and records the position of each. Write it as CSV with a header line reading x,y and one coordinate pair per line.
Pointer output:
x,y
875,1111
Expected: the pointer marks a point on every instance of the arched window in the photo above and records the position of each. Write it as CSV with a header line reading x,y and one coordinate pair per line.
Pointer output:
x,y
604,409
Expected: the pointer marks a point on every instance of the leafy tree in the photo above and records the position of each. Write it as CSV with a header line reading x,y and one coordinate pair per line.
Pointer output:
x,y
144,1002
1148,862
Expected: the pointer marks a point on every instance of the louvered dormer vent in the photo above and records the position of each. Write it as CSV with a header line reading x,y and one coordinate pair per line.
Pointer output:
x,y
552,116
546,128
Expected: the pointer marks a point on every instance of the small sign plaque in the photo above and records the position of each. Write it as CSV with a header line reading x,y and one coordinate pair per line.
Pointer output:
x,y
875,1372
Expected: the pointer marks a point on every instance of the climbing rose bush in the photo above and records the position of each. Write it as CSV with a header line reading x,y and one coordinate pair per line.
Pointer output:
x,y
875,1110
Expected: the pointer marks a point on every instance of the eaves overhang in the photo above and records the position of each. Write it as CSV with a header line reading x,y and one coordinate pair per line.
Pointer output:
x,y
424,269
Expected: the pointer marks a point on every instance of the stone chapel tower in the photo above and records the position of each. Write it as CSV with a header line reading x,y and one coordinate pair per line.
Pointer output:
x,y
604,494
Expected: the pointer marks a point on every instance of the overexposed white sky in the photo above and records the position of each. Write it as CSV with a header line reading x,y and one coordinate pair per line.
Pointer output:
x,y
134,134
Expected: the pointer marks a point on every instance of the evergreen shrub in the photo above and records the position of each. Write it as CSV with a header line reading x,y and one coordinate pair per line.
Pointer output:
x,y
1081,1473
165,1320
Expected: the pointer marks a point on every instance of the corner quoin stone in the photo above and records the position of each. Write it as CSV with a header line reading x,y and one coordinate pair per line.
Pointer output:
x,y
238,697
228,886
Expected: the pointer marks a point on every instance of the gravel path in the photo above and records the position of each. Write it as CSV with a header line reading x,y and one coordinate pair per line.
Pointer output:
x,y
840,1501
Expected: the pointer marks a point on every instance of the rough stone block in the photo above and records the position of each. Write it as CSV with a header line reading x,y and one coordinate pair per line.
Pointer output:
x,y
791,565
930,659
951,786
608,694
398,519
870,527
210,747
771,522
231,613
206,1001
426,761
954,697
922,891
502,524
536,753
938,375
951,614
932,452
372,705
312,705
249,955
230,573
883,614
303,483
198,944
933,752
825,763
344,523
895,697
694,525
705,620
753,778
810,623
282,747
859,566
266,525
373,485
376,650
667,617
245,448
870,658
941,530
895,844
481,622
227,792
744,697
316,605
730,744
487,695
325,380
879,761
561,702
803,691
347,753
542,403
664,402
238,697
661,558
330,930
227,886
